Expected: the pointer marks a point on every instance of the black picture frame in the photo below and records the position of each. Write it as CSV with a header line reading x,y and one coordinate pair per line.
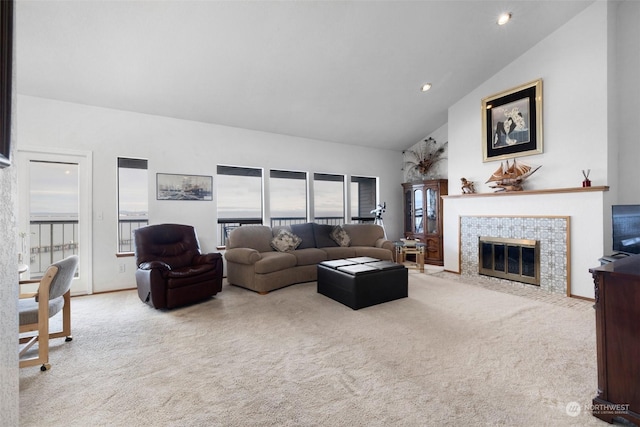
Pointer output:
x,y
6,76
512,123
171,186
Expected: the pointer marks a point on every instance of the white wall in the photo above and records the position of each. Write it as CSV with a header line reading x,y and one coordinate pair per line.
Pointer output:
x,y
184,147
573,64
627,38
591,105
9,409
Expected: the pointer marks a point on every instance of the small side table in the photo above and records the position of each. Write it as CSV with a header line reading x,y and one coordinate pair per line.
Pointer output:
x,y
403,250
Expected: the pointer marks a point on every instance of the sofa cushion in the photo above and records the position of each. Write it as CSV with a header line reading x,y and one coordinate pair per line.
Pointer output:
x,y
309,256
340,252
379,253
285,241
274,261
340,236
322,235
305,232
364,234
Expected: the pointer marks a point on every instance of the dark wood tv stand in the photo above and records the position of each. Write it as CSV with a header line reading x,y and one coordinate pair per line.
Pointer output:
x,y
617,295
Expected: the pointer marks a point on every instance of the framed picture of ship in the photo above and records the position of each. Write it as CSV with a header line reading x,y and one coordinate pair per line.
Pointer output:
x,y
512,122
183,187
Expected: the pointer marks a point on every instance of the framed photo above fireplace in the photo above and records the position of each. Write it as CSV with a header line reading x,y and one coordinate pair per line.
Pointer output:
x,y
184,187
512,122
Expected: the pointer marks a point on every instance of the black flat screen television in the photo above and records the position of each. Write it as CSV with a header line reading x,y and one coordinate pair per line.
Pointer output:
x,y
626,228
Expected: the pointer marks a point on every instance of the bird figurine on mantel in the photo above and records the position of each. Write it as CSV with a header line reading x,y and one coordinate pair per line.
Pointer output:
x,y
510,177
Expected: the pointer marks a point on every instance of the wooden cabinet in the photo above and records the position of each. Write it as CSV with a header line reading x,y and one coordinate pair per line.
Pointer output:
x,y
423,216
617,294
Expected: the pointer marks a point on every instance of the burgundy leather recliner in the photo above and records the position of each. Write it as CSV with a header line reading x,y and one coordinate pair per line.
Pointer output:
x,y
172,271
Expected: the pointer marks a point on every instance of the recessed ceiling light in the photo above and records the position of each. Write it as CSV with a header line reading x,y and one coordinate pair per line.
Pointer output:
x,y
425,87
504,18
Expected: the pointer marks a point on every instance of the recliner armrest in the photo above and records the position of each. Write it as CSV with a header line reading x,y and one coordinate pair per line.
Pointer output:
x,y
154,264
211,258
246,256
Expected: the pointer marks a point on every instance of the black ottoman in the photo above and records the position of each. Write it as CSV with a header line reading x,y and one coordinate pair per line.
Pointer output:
x,y
362,282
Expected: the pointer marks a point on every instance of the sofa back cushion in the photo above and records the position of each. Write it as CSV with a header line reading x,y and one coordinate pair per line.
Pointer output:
x,y
257,237
364,234
276,229
322,235
305,232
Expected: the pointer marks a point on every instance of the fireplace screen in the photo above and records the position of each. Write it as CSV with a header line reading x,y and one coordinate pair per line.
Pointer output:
x,y
511,259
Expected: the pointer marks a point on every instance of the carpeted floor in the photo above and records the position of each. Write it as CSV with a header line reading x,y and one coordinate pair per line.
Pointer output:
x,y
451,354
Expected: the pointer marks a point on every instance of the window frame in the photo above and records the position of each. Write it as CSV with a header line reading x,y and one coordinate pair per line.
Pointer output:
x,y
226,224
364,215
293,175
129,163
329,177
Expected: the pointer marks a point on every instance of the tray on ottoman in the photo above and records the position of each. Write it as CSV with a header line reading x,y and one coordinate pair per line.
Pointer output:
x,y
360,283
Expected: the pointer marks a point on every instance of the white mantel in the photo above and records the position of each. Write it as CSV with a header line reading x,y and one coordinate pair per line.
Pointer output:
x,y
585,206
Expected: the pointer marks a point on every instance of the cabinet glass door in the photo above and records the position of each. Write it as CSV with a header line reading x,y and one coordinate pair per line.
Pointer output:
x,y
417,202
408,222
432,211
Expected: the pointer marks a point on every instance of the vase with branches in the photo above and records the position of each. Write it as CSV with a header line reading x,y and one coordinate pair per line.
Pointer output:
x,y
422,159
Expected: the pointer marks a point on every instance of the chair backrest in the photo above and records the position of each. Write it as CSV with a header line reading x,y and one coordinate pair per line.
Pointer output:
x,y
61,282
173,244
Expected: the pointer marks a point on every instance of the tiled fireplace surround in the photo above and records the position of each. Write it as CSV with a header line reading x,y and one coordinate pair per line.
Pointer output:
x,y
572,225
551,232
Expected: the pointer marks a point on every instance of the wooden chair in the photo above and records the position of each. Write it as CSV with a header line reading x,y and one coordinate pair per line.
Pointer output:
x,y
36,308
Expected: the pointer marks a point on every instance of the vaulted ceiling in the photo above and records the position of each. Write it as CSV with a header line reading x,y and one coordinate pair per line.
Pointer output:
x,y
340,71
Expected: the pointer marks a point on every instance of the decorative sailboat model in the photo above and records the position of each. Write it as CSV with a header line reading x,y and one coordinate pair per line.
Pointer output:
x,y
510,177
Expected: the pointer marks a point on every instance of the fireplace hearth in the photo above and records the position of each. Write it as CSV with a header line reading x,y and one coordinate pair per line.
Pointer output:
x,y
511,259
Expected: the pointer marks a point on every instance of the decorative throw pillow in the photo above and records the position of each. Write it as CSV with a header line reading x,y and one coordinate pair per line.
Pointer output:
x,y
285,241
340,236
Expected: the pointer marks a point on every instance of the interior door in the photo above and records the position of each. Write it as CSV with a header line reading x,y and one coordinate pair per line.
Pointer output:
x,y
54,219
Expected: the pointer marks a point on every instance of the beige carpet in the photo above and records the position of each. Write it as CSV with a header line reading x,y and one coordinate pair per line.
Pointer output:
x,y
450,354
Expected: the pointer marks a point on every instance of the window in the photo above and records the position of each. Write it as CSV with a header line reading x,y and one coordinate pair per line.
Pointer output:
x,y
328,198
239,198
133,200
287,197
363,198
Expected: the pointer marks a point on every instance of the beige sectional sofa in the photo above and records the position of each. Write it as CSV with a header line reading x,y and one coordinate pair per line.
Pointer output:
x,y
254,263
